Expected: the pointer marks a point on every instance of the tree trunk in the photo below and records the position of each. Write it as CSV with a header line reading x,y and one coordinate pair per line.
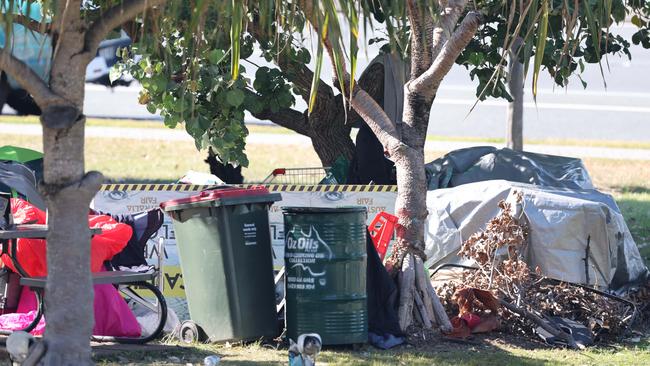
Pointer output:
x,y
69,292
68,192
411,210
435,45
515,116
332,143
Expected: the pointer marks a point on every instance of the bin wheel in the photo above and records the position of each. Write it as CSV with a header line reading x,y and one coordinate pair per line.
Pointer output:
x,y
190,332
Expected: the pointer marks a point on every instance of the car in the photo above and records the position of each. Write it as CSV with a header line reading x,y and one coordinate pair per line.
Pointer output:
x,y
99,68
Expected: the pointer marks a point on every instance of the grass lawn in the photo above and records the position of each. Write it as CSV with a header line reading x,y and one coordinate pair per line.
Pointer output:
x,y
482,352
159,161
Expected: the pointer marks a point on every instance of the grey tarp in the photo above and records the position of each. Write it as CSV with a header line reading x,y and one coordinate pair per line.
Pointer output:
x,y
483,163
560,221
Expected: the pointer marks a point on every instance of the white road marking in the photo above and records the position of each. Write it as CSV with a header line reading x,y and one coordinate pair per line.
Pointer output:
x,y
559,92
562,106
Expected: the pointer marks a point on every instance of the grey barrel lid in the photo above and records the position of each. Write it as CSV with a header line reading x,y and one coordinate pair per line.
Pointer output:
x,y
323,210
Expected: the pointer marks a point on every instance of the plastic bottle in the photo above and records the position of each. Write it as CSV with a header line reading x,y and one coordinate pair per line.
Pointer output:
x,y
211,360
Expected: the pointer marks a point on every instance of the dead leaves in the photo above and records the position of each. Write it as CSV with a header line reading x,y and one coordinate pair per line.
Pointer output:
x,y
498,252
473,300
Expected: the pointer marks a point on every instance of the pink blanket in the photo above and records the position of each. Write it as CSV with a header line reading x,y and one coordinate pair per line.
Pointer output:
x,y
112,315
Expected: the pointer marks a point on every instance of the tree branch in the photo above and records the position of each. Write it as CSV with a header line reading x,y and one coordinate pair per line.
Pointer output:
x,y
372,81
287,118
448,19
376,119
363,103
301,76
420,53
115,17
29,80
428,83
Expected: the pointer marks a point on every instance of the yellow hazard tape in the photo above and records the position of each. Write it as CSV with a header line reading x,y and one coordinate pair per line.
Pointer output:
x,y
271,187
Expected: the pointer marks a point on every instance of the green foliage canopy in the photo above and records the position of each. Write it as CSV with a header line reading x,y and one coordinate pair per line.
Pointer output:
x,y
195,77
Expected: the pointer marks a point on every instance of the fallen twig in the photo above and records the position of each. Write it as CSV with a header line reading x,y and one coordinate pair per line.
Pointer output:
x,y
568,338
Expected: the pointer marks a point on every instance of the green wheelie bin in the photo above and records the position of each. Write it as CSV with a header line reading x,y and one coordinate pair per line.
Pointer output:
x,y
224,247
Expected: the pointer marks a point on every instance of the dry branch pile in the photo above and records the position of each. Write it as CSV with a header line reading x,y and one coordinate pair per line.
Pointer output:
x,y
527,298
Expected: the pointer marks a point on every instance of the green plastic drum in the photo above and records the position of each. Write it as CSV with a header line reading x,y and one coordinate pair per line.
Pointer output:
x,y
224,247
325,262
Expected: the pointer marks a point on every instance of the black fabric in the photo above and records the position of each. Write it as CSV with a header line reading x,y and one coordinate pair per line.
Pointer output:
x,y
581,334
369,163
382,295
23,103
37,167
228,173
9,291
6,218
144,225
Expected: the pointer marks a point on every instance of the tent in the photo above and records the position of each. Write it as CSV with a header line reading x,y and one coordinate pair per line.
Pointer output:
x,y
565,226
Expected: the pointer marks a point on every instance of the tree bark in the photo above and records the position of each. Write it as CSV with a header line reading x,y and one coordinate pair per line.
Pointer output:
x,y
67,189
406,294
515,114
434,48
332,143
68,192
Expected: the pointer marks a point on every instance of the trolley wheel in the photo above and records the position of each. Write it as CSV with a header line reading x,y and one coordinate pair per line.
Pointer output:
x,y
190,332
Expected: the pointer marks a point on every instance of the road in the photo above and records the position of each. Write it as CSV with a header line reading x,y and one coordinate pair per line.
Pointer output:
x,y
619,112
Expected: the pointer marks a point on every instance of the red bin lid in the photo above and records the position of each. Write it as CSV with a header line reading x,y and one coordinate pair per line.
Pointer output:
x,y
215,194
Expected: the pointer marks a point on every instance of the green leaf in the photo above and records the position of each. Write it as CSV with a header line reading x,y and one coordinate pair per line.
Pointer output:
x,y
582,65
151,108
541,45
216,56
476,58
235,97
115,72
253,104
316,79
235,39
637,21
595,36
354,48
528,46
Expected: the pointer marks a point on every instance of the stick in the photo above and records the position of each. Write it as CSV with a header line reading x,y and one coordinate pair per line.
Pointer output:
x,y
426,321
568,338
406,287
438,310
421,285
587,261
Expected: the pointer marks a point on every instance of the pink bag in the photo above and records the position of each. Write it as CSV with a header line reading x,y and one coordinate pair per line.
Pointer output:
x,y
112,315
